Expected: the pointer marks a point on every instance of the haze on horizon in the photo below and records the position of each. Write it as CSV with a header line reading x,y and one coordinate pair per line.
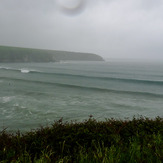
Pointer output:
x,y
109,28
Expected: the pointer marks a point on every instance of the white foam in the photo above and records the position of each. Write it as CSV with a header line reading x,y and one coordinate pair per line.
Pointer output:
x,y
6,99
16,105
25,71
6,68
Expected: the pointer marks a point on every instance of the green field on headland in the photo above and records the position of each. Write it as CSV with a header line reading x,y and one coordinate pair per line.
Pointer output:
x,y
17,54
110,141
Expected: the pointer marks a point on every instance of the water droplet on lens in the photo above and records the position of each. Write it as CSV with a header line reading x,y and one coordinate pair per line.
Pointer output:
x,y
71,7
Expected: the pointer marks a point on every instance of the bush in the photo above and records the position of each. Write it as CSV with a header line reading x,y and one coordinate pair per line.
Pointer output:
x,y
136,140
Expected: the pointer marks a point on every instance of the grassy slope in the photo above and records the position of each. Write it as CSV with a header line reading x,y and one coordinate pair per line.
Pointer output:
x,y
16,54
137,140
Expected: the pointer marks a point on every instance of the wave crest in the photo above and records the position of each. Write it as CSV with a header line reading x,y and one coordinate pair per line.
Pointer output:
x,y
24,70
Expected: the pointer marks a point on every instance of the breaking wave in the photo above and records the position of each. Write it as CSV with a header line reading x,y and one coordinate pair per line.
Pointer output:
x,y
25,70
22,70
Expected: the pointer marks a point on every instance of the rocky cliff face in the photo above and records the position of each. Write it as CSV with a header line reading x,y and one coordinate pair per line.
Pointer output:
x,y
15,54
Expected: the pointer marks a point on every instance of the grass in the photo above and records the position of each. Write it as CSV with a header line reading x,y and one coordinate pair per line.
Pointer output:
x,y
90,141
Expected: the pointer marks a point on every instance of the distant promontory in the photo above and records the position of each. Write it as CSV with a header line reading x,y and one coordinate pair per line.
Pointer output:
x,y
17,54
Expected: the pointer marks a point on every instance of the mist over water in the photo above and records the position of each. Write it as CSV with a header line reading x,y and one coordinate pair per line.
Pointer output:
x,y
34,94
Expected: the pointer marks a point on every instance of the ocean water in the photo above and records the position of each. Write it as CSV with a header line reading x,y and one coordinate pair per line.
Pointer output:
x,y
37,94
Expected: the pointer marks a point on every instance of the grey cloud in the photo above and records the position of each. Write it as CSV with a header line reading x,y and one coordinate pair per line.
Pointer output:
x,y
151,4
113,28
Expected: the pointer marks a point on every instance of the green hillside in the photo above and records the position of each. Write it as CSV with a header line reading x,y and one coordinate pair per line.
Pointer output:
x,y
16,54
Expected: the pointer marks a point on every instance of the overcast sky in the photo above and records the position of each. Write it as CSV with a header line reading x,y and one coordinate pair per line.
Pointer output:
x,y
110,28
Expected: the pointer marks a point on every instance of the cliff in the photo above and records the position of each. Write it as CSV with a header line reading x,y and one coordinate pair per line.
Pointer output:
x,y
16,54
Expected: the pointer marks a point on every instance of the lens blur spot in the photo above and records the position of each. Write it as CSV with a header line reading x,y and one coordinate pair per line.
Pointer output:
x,y
71,7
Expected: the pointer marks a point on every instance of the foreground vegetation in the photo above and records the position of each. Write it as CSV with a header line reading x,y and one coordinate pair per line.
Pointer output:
x,y
91,141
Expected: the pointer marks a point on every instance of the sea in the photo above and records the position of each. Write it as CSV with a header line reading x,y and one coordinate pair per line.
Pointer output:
x,y
38,94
